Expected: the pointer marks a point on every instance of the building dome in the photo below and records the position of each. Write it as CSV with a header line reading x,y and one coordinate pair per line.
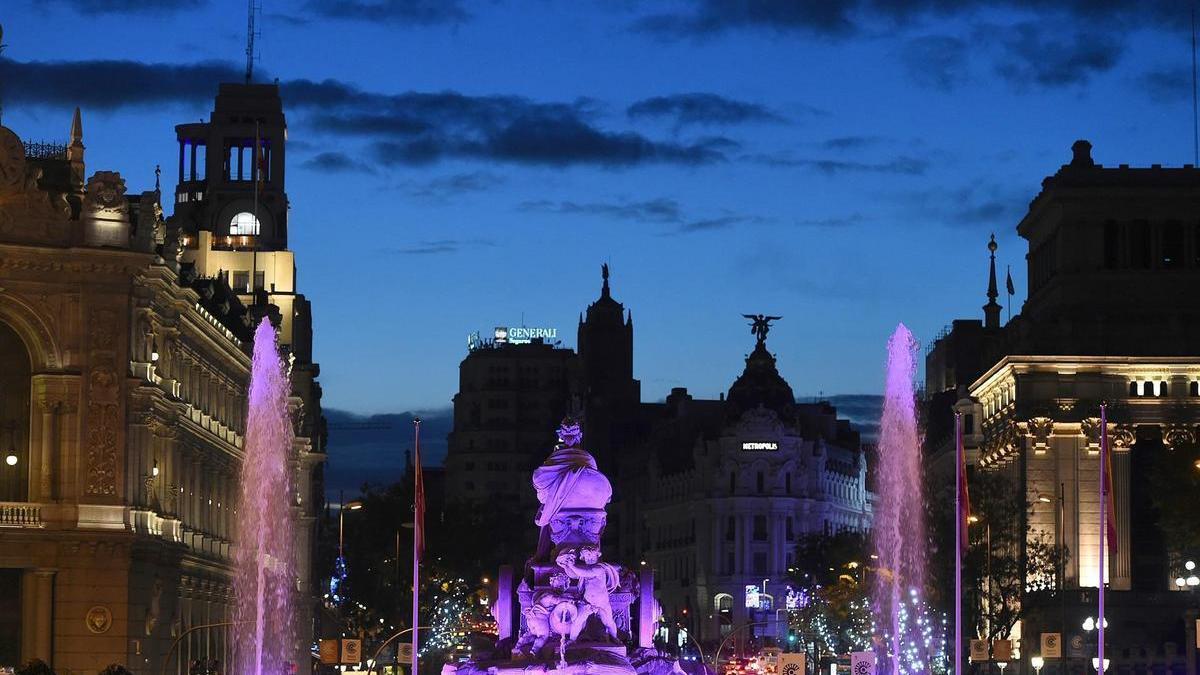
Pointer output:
x,y
761,384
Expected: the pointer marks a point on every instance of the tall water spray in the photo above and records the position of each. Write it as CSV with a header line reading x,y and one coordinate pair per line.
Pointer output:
x,y
264,579
899,524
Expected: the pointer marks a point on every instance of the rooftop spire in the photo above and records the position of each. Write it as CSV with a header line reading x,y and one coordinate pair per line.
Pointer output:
x,y
991,311
604,293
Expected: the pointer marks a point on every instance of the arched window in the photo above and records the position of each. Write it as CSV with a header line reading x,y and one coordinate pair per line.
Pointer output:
x,y
1162,388
243,223
1147,388
15,370
724,603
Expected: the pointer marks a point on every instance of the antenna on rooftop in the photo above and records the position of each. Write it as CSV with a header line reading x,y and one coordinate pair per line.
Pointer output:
x,y
251,10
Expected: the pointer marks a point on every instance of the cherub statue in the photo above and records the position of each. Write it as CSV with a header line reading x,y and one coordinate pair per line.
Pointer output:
x,y
537,624
597,580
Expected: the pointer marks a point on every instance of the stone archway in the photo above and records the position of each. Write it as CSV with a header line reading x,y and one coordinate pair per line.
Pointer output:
x,y
15,398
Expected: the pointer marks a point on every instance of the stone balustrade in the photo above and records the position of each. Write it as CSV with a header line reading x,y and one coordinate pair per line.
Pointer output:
x,y
21,514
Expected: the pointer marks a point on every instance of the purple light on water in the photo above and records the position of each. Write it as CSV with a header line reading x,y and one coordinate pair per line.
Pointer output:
x,y
263,558
899,527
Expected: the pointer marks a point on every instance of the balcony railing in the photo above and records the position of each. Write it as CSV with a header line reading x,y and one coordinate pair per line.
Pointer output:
x,y
21,514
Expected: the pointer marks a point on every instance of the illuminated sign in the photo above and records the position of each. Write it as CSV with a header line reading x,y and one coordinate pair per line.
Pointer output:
x,y
752,596
522,335
760,446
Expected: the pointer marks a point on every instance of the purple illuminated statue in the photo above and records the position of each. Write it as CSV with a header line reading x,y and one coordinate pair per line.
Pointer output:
x,y
574,609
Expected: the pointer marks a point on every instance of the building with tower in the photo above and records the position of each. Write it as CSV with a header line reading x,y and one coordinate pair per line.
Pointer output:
x,y
1113,256
124,365
713,495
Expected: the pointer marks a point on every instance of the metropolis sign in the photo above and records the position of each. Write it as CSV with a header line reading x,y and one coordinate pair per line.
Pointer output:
x,y
759,446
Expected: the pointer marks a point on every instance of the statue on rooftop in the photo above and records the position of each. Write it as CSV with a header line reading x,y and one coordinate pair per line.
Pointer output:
x,y
760,325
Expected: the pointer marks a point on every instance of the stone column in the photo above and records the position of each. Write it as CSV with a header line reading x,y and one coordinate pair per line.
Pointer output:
x,y
645,608
43,627
504,597
46,471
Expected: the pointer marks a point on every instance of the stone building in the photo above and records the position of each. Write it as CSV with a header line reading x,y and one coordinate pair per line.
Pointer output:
x,y
1111,316
713,495
725,491
124,368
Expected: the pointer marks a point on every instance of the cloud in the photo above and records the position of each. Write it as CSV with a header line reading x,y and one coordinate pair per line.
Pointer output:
x,y
410,128
845,18
111,84
936,61
95,7
832,221
439,246
973,205
701,109
662,210
336,162
411,12
1166,85
851,142
1030,54
903,164
445,187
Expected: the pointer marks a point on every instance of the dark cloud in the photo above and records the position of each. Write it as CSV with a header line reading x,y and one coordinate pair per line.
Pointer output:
x,y
936,61
455,185
109,84
408,128
843,18
130,6
702,109
851,142
1033,54
662,210
439,246
1167,85
336,162
905,165
412,12
973,205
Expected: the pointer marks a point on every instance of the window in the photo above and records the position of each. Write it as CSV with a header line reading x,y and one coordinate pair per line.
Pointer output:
x,y
1139,245
260,281
759,481
1133,389
243,223
732,481
729,531
1193,388
1111,245
760,563
760,528
1172,245
787,483
969,423
1147,388
1162,388
241,281
791,532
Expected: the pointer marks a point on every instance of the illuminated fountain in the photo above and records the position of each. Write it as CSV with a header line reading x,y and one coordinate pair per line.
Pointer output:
x,y
264,578
901,616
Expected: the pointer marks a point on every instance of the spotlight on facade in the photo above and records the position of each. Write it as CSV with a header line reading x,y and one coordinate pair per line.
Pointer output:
x,y
1189,565
154,469
11,459
1180,582
1043,499
1096,664
154,352
1193,580
1089,624
1038,663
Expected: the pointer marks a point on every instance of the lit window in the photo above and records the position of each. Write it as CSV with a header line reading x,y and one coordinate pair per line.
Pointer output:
x,y
243,223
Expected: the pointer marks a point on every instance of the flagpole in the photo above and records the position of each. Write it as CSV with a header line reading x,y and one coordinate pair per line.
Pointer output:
x,y
1008,287
418,489
1103,526
255,170
958,534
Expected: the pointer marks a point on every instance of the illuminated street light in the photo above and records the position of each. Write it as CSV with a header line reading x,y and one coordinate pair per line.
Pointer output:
x,y
1038,663
1180,582
1189,565
11,459
1096,664
1193,580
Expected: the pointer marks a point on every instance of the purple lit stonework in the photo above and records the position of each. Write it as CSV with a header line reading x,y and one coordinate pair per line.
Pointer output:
x,y
574,610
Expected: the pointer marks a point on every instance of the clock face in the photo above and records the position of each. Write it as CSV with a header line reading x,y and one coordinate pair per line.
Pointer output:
x,y
243,223
12,158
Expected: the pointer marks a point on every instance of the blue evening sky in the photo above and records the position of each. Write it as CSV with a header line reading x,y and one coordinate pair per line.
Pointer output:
x,y
454,166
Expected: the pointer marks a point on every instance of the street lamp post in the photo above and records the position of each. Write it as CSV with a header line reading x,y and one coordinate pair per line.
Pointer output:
x,y
1038,663
350,506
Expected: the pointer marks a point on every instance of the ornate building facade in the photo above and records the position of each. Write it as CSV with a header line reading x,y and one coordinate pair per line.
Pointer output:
x,y
123,404
1114,253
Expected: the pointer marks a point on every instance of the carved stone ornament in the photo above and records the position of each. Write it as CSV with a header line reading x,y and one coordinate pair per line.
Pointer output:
x,y
1121,436
1176,435
1040,429
760,421
98,619
12,159
102,449
1090,426
105,190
